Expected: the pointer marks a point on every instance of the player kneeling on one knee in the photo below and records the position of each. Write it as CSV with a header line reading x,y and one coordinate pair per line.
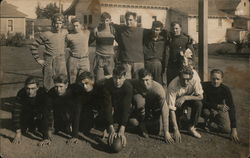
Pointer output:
x,y
184,91
150,105
219,108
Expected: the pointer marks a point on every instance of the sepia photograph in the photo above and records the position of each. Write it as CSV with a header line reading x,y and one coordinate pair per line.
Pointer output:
x,y
124,78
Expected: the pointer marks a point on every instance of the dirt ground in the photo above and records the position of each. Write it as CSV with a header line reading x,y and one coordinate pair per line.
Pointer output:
x,y
17,64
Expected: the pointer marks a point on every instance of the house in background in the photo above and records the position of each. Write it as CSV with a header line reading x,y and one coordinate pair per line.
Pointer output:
x,y
242,12
166,11
88,11
186,12
11,20
240,32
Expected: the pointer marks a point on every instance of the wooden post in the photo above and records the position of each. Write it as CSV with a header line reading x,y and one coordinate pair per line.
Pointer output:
x,y
60,6
203,36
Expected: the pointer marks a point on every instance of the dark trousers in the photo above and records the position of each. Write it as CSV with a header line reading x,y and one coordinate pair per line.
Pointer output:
x,y
103,66
32,121
218,120
62,121
147,110
196,107
155,68
87,118
172,71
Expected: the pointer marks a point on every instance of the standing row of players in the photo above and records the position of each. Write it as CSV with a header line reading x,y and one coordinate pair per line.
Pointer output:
x,y
145,55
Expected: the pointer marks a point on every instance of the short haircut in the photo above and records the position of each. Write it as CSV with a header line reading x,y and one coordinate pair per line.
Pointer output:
x,y
85,75
128,14
61,78
119,71
219,71
143,73
186,70
105,15
75,20
57,17
157,24
176,23
31,80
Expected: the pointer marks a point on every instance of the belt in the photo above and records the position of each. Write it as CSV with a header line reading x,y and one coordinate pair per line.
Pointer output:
x,y
152,60
79,57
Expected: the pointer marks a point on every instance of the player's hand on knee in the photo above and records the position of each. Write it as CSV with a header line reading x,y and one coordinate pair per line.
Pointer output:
x,y
72,141
45,142
223,107
177,136
180,101
168,139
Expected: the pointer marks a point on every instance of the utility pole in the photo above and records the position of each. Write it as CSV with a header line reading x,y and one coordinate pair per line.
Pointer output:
x,y
203,36
60,6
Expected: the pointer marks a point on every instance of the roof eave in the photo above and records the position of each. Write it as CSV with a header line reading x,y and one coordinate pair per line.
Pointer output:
x,y
133,6
71,9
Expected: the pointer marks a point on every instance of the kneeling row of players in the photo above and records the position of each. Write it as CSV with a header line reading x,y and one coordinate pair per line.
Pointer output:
x,y
142,102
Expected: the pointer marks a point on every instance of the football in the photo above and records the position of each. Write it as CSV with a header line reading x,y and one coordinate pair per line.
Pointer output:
x,y
116,146
133,122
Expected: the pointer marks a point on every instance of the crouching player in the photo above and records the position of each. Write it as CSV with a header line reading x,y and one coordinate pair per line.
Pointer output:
x,y
184,91
150,108
219,108
31,112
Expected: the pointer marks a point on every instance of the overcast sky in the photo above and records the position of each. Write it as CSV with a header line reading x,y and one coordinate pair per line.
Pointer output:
x,y
28,6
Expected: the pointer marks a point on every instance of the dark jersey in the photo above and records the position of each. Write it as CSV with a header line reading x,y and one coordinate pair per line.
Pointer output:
x,y
219,95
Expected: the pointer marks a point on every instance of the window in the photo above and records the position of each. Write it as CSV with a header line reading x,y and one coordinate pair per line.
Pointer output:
x,y
139,21
122,19
245,4
154,18
197,24
85,19
90,19
220,22
10,25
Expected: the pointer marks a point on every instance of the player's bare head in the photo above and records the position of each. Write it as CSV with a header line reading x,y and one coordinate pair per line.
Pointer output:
x,y
105,17
76,24
31,80
145,78
218,71
176,23
119,71
143,73
61,78
216,76
156,24
131,18
176,28
86,79
185,75
31,86
57,21
61,84
119,74
73,20
156,28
